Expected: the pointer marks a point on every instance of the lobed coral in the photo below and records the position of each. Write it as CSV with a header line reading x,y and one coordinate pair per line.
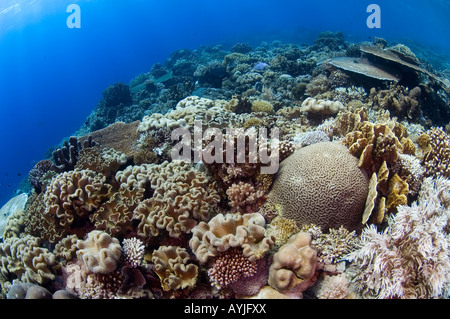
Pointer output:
x,y
293,267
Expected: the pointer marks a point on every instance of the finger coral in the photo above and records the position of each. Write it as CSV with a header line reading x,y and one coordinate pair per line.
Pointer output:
x,y
330,191
173,268
99,252
223,232
293,266
133,252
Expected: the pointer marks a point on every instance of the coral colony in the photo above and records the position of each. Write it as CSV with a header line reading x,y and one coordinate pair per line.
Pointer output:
x,y
274,171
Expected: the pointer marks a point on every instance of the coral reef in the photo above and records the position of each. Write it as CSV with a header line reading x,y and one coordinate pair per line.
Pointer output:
x,y
357,209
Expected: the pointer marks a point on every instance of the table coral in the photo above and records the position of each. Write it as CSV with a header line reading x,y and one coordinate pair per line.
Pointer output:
x,y
294,265
330,191
173,268
223,232
100,252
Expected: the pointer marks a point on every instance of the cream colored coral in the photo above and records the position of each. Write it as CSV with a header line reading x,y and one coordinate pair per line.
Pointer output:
x,y
321,184
231,230
100,252
66,248
293,266
312,105
173,268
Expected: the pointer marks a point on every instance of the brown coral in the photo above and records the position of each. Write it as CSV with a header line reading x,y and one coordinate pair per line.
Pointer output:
x,y
182,197
329,191
244,197
173,268
223,232
294,265
437,157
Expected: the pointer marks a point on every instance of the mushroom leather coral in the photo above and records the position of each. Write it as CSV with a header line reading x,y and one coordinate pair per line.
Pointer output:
x,y
232,230
321,184
294,265
100,252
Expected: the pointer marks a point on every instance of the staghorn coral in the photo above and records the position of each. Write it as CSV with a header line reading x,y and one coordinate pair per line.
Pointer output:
x,y
230,267
293,266
24,259
99,252
182,196
173,268
330,191
70,198
410,258
133,252
223,232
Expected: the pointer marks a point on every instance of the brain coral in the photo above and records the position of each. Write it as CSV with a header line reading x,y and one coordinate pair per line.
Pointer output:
x,y
100,252
223,232
321,184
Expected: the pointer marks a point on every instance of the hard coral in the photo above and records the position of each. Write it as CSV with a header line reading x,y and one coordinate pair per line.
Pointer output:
x,y
293,266
330,191
100,252
223,232
437,158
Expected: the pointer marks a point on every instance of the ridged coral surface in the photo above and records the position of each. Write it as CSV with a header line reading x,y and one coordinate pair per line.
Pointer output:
x,y
329,191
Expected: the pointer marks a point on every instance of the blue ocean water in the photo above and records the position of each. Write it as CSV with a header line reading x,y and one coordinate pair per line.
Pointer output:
x,y
53,76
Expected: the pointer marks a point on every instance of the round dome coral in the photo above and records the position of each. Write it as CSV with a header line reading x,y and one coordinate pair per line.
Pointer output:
x,y
321,184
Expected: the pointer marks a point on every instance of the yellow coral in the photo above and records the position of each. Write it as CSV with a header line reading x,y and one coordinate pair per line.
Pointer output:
x,y
262,106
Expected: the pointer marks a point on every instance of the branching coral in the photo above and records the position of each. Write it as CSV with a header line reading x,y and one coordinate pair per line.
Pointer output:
x,y
173,268
229,267
244,197
133,250
223,232
410,258
437,157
